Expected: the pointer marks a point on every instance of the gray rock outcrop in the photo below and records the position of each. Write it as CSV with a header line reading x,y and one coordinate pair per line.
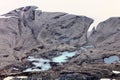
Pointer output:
x,y
107,34
26,28
34,40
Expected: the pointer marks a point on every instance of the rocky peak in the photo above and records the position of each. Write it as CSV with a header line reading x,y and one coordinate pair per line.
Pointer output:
x,y
106,34
20,11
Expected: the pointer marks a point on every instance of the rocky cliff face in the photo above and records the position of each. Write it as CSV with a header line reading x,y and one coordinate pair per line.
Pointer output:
x,y
106,34
26,28
54,45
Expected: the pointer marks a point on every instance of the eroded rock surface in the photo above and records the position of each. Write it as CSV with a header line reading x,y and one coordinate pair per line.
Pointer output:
x,y
25,29
55,46
106,35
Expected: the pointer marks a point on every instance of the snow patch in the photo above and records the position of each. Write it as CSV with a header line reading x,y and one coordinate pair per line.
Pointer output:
x,y
111,59
40,64
116,72
64,57
11,77
15,69
37,9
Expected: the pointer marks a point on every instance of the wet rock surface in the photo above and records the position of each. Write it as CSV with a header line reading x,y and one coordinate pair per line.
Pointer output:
x,y
55,46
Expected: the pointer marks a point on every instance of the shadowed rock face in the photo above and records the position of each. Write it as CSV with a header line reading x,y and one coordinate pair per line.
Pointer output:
x,y
26,28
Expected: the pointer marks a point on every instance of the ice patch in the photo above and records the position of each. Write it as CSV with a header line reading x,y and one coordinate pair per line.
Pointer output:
x,y
40,64
64,57
111,59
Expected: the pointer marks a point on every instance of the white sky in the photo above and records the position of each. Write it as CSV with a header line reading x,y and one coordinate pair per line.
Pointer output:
x,y
96,9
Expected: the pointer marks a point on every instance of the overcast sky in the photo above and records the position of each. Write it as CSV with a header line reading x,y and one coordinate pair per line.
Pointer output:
x,y
96,9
